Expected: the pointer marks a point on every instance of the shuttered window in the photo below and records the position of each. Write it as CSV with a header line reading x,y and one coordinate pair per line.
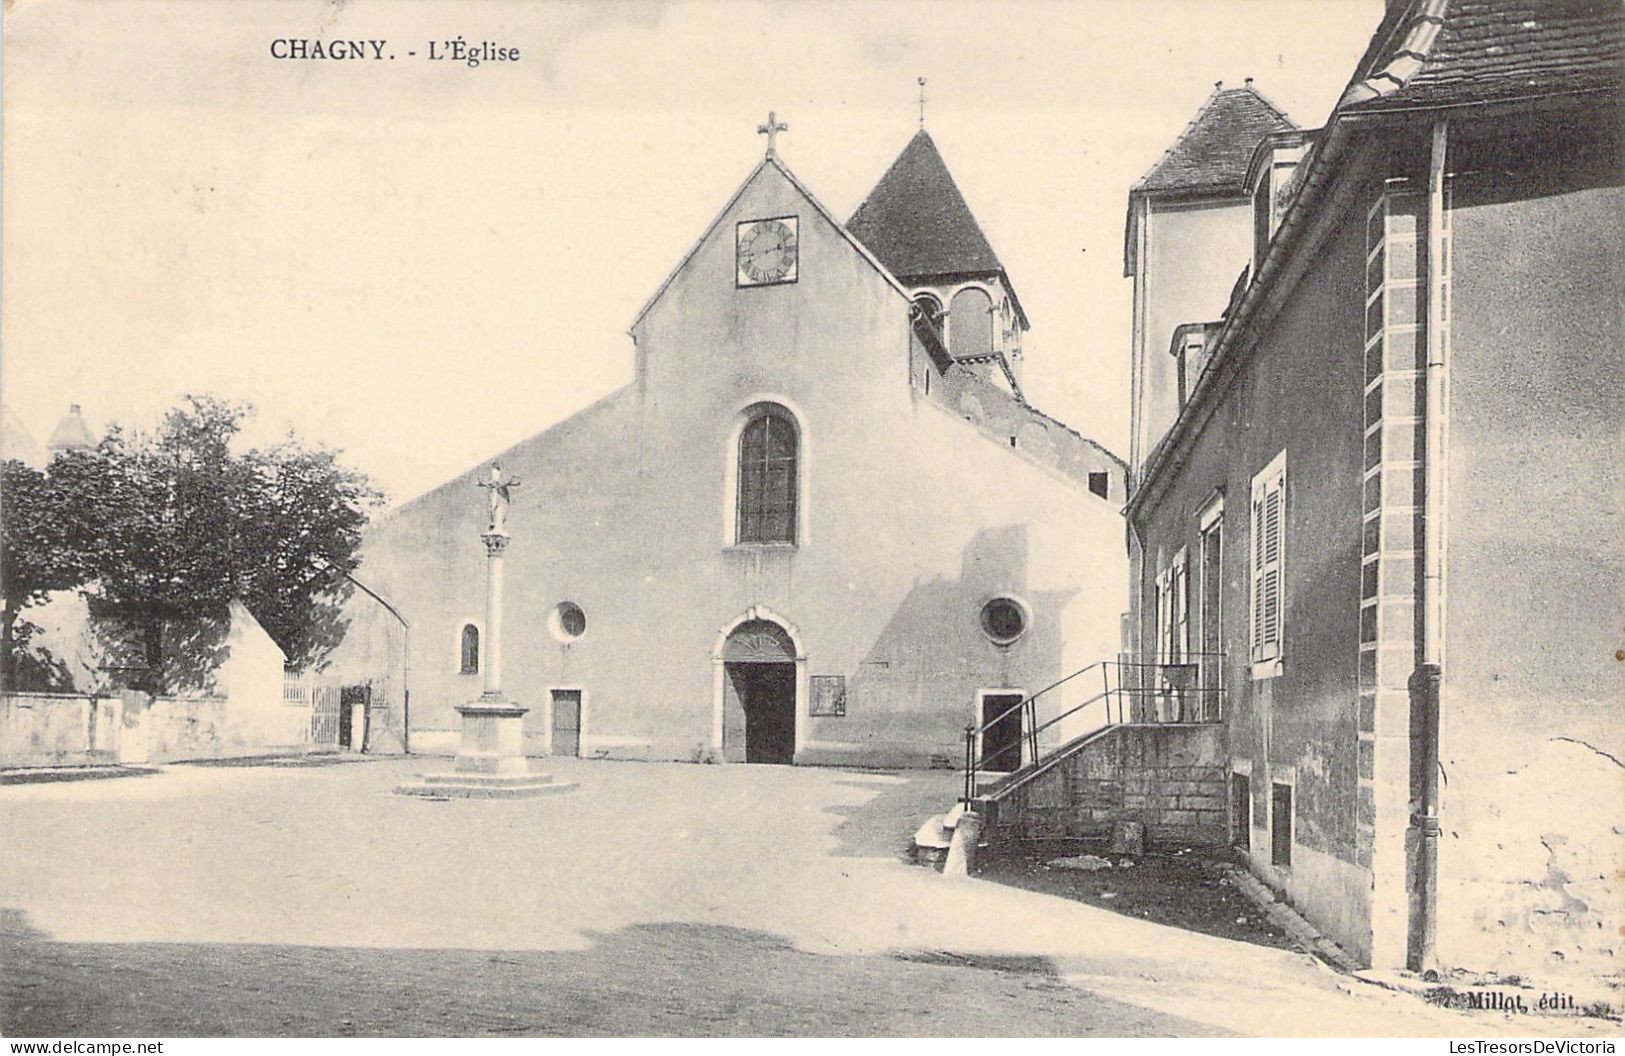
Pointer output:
x,y
1268,552
767,480
1173,606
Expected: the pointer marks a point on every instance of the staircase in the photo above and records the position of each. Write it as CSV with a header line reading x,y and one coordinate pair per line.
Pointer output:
x,y
1155,755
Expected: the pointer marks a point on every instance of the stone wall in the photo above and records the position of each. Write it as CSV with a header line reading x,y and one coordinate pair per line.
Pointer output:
x,y
1170,778
56,729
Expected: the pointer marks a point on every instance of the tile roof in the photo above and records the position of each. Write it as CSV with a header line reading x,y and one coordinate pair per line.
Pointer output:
x,y
1213,152
1447,52
916,221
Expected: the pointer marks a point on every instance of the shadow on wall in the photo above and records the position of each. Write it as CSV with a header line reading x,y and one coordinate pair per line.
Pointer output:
x,y
921,673
91,647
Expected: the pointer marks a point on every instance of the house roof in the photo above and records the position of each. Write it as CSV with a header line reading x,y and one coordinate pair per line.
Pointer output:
x,y
1211,155
916,220
1430,53
1425,54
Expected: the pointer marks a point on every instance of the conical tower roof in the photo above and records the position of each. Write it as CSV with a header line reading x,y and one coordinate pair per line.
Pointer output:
x,y
71,433
916,222
16,442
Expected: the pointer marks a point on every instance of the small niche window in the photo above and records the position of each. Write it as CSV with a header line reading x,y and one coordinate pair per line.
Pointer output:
x,y
567,622
1100,483
1004,620
1281,825
469,650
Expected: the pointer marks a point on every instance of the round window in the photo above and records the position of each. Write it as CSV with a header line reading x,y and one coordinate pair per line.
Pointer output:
x,y
1004,620
567,622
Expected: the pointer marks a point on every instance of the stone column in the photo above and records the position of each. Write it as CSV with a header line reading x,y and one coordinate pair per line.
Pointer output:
x,y
495,544
490,760
493,740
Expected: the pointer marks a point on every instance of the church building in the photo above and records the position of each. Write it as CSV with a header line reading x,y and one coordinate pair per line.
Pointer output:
x,y
822,523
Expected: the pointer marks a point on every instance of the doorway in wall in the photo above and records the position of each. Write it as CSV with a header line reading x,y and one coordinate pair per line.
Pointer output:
x,y
1001,733
759,694
567,722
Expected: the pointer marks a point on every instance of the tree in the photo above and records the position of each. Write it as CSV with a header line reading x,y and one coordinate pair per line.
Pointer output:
x,y
183,524
42,549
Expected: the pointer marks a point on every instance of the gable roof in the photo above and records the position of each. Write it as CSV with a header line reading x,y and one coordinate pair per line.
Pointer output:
x,y
1212,154
1447,52
818,207
916,220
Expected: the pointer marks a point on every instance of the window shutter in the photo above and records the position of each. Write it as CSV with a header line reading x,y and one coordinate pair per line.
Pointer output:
x,y
1270,574
1268,553
1163,614
1182,599
1256,591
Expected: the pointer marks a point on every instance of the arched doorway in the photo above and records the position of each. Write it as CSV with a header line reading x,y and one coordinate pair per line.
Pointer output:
x,y
759,694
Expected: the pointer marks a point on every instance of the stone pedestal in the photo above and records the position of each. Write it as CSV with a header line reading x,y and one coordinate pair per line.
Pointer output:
x,y
490,761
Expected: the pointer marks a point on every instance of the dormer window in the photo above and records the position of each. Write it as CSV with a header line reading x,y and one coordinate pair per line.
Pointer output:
x,y
1269,175
1263,221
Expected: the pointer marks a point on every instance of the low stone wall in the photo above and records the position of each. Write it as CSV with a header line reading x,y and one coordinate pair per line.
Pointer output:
x,y
57,729
1169,778
63,729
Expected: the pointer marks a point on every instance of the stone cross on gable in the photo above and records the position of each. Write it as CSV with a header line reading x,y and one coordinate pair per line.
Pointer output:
x,y
773,127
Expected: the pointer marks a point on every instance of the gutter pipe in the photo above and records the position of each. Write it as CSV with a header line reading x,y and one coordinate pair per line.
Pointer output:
x,y
1425,681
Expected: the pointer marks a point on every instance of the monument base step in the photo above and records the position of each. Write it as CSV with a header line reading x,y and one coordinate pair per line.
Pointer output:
x,y
456,785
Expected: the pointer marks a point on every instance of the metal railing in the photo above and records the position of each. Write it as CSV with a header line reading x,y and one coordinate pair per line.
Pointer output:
x,y
1187,689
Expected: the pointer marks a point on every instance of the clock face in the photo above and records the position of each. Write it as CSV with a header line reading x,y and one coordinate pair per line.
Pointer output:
x,y
766,251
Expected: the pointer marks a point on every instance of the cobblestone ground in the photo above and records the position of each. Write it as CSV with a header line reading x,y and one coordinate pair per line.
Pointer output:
x,y
659,899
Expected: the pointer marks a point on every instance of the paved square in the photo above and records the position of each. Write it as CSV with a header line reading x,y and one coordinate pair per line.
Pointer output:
x,y
659,899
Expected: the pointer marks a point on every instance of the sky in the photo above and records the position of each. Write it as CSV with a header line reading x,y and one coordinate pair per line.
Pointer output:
x,y
421,262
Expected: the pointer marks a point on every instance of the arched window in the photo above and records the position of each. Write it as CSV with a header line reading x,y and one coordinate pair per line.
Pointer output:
x,y
971,329
768,448
930,309
470,650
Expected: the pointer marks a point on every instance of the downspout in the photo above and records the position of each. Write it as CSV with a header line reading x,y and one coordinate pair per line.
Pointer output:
x,y
1425,682
406,665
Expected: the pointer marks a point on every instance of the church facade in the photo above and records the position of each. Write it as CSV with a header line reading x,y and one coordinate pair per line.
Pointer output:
x,y
822,524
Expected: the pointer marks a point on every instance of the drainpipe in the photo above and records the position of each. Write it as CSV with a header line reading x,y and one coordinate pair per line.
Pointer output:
x,y
1425,681
406,665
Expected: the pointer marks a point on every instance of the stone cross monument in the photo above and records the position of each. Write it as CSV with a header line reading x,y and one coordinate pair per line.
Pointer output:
x,y
491,761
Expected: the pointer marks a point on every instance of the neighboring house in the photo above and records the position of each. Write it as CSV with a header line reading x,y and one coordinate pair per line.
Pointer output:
x,y
822,524
1390,488
222,675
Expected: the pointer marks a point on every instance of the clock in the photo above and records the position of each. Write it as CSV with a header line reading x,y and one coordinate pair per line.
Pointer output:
x,y
766,251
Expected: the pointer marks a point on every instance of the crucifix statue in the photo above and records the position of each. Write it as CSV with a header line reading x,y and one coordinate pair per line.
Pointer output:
x,y
497,497
773,127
